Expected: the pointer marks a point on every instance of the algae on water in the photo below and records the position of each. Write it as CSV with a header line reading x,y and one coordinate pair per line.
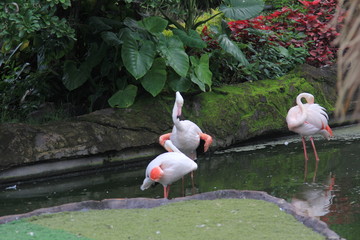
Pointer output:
x,y
195,219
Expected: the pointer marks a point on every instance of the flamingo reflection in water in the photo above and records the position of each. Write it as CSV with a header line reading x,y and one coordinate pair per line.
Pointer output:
x,y
314,200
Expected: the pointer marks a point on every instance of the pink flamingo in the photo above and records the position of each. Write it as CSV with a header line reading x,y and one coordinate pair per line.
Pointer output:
x,y
168,168
185,134
307,120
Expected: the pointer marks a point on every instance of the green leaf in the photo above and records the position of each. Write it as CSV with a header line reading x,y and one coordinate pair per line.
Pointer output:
x,y
202,74
242,9
178,83
74,77
283,51
111,39
192,39
154,24
172,50
230,47
95,54
123,98
137,56
97,25
154,80
197,81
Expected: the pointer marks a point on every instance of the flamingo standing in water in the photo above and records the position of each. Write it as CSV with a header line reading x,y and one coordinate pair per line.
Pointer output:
x,y
307,120
185,134
168,168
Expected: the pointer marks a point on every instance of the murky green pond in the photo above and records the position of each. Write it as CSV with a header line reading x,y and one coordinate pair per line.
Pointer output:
x,y
274,166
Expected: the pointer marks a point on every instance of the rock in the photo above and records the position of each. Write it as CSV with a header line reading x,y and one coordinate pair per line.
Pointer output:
x,y
231,114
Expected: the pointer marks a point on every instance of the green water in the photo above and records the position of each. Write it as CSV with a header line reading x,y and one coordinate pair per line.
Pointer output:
x,y
274,166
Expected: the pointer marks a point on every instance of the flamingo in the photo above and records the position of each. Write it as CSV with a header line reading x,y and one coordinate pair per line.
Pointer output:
x,y
168,168
307,120
185,134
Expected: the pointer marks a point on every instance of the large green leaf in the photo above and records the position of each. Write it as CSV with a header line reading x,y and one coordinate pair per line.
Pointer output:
x,y
201,74
242,9
230,47
154,24
197,81
95,54
97,25
123,98
75,77
192,39
111,38
172,50
137,56
178,83
154,80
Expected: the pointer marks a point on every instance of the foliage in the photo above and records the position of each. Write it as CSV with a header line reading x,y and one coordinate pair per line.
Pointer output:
x,y
307,29
276,4
134,55
32,36
276,43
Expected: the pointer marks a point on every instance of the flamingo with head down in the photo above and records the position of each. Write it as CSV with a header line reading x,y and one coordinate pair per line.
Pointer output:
x,y
168,168
307,120
185,134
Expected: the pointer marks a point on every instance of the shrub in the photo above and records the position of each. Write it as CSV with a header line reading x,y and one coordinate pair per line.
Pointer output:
x,y
307,28
277,42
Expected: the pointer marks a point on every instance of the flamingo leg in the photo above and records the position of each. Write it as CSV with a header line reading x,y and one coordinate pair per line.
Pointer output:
x,y
304,146
192,182
183,187
166,191
208,140
313,145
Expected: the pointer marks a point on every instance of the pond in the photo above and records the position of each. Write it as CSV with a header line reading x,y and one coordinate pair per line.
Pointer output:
x,y
275,166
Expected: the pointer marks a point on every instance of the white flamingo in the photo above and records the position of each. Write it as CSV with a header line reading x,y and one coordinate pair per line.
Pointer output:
x,y
168,168
185,134
307,120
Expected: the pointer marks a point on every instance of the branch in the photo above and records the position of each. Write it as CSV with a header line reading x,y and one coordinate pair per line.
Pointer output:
x,y
206,20
172,20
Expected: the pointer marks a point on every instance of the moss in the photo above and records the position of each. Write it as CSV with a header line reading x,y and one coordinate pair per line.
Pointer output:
x,y
204,219
258,106
22,230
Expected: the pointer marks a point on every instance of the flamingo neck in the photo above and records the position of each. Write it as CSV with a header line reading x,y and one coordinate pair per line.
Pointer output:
x,y
303,115
170,147
176,113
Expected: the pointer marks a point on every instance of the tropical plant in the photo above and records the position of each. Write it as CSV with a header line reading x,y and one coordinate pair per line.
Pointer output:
x,y
32,36
134,54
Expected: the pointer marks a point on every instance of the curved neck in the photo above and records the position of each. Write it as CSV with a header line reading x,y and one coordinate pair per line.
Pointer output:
x,y
170,146
301,106
176,113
